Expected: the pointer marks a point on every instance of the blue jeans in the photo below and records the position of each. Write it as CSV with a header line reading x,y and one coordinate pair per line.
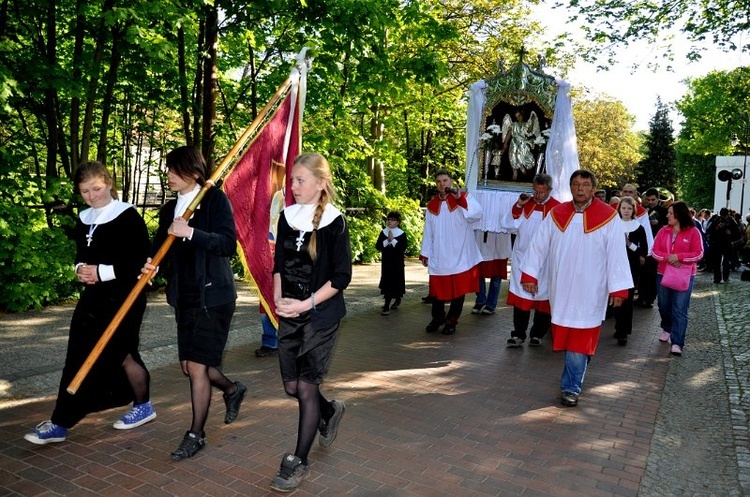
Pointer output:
x,y
573,372
673,309
269,338
489,298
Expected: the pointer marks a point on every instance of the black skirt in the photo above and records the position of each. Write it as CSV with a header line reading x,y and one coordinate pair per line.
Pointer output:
x,y
304,354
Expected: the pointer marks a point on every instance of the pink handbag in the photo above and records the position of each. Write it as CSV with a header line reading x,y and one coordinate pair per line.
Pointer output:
x,y
677,278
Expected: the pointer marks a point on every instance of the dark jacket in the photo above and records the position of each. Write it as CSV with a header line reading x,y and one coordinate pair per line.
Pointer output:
x,y
334,263
214,241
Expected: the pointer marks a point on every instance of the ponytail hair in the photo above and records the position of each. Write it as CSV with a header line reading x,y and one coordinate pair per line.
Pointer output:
x,y
319,167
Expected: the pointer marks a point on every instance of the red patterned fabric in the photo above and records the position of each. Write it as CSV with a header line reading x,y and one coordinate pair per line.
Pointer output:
x,y
249,189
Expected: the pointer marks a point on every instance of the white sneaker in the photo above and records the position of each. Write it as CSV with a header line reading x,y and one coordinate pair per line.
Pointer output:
x,y
665,336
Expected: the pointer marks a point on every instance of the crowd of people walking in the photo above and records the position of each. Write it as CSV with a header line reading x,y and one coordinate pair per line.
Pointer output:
x,y
621,252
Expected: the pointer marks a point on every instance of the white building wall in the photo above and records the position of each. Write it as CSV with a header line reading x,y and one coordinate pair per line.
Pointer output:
x,y
735,196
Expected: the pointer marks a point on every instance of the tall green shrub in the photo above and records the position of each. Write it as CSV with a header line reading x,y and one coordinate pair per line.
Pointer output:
x,y
36,256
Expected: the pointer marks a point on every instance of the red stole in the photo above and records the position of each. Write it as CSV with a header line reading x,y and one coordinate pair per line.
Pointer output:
x,y
596,215
434,205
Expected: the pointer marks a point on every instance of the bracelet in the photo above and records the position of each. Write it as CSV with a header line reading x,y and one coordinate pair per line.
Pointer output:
x,y
312,300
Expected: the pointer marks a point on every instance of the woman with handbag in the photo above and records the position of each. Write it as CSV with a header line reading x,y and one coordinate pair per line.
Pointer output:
x,y
677,249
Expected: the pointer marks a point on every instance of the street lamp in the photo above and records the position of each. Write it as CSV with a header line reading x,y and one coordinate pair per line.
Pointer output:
x,y
743,144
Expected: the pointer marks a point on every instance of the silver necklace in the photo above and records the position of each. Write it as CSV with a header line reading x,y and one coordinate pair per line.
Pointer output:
x,y
90,234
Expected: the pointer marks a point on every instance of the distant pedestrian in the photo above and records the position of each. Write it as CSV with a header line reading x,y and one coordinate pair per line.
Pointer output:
x,y
111,244
200,287
312,267
391,244
678,244
723,232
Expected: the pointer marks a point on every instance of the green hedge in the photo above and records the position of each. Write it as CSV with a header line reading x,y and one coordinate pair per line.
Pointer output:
x,y
36,253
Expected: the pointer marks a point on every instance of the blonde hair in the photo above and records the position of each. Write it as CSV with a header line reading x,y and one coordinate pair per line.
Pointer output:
x,y
319,167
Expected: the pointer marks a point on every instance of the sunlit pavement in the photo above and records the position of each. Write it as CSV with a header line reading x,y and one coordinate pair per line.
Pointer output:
x,y
427,414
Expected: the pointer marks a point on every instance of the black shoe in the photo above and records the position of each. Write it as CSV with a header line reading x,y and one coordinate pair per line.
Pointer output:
x,y
265,351
385,311
477,309
191,443
395,305
290,475
234,401
569,399
622,341
535,342
428,299
433,326
449,329
514,342
329,430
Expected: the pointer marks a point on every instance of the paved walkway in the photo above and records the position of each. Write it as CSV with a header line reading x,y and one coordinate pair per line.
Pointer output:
x,y
427,414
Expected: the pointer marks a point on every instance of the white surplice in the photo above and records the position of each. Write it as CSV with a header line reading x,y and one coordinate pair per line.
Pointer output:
x,y
448,241
584,268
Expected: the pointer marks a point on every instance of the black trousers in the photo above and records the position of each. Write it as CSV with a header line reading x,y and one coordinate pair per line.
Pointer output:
x,y
521,318
454,311
624,316
721,262
647,281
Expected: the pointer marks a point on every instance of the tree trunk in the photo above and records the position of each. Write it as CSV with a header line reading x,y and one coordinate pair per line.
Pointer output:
x,y
88,119
184,98
198,84
75,101
50,96
209,84
374,165
107,101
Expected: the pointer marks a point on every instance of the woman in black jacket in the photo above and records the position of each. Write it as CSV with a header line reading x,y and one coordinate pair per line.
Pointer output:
x,y
200,287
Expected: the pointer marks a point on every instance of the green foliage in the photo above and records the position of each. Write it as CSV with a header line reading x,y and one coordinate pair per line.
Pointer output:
x,y
696,177
363,234
658,167
606,144
715,109
36,255
385,103
365,226
612,24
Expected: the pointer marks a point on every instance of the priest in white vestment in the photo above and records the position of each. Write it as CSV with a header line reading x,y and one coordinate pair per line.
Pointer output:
x,y
449,251
581,242
525,218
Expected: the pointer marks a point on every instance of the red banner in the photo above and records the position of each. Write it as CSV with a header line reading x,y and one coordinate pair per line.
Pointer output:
x,y
256,189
